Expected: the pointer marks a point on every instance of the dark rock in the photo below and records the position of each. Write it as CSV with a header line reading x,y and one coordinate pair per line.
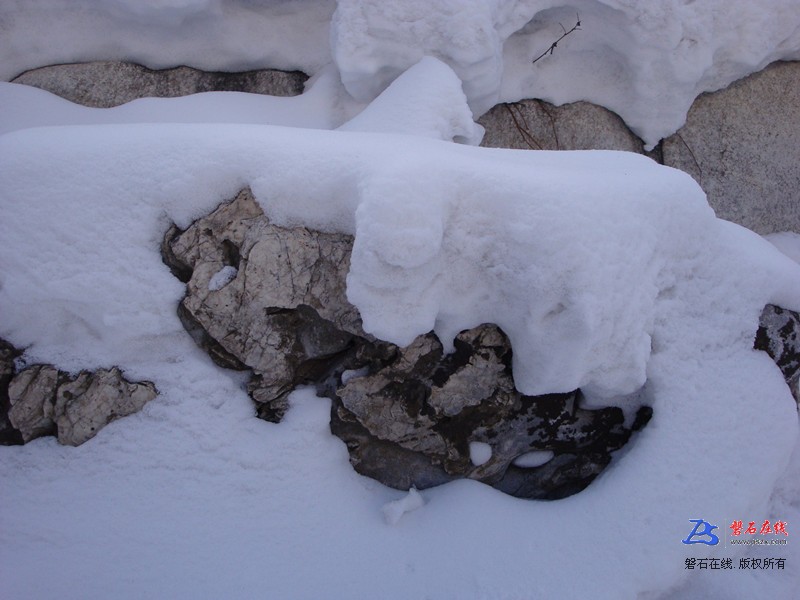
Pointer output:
x,y
432,406
282,312
8,433
779,336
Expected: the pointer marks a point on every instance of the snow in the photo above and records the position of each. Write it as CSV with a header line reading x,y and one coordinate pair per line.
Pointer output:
x,y
479,453
606,270
787,242
393,511
533,459
222,278
645,60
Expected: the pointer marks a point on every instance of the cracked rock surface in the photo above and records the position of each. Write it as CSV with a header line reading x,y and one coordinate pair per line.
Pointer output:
x,y
41,400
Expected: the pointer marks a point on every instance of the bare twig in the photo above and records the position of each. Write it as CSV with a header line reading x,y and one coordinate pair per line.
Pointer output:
x,y
553,46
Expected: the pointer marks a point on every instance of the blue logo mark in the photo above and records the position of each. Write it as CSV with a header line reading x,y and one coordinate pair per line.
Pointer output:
x,y
712,540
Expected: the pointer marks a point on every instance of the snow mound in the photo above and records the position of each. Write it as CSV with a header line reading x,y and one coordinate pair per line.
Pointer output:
x,y
443,115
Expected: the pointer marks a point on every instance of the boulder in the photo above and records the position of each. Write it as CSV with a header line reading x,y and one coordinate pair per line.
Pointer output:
x,y
741,145
104,84
433,408
41,400
538,125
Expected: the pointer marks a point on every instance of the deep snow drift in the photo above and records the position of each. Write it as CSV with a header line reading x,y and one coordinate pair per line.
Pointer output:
x,y
606,270
646,60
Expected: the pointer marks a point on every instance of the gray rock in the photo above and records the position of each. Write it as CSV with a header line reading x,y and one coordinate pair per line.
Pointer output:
x,y
741,145
95,399
284,315
41,400
108,83
8,433
779,336
32,394
538,125
432,406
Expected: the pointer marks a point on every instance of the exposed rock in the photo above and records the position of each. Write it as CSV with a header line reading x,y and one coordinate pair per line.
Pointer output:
x,y
281,311
284,314
779,336
109,83
8,434
93,400
537,125
41,400
741,145
33,397
433,406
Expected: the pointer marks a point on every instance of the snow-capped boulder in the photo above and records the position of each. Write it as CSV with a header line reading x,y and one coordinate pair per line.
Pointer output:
x,y
103,84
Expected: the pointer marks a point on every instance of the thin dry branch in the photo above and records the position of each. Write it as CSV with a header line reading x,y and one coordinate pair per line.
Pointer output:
x,y
551,49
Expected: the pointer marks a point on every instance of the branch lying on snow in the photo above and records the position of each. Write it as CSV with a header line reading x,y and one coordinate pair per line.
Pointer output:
x,y
551,49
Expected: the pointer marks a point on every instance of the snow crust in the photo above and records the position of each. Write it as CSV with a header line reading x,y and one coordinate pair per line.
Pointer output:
x,y
645,60
605,269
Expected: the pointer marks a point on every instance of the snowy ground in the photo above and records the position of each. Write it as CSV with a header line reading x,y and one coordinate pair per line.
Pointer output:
x,y
607,270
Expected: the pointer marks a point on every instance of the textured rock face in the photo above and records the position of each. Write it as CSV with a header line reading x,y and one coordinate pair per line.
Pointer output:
x,y
281,310
741,145
41,400
779,336
106,84
537,125
413,421
271,299
8,434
